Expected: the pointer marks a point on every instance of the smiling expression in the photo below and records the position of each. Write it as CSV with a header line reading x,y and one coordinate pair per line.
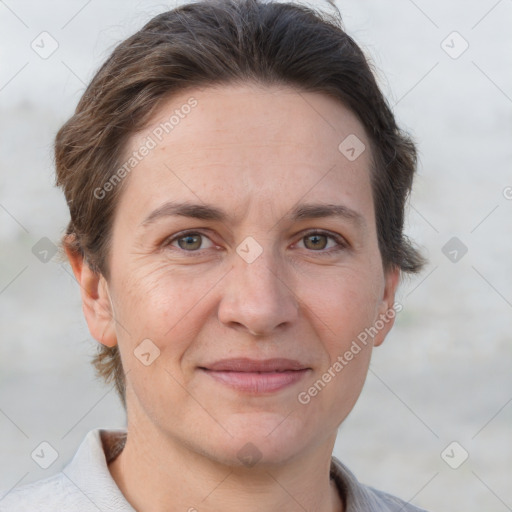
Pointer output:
x,y
244,247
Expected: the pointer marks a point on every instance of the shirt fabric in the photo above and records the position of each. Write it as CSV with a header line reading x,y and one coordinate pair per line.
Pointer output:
x,y
85,484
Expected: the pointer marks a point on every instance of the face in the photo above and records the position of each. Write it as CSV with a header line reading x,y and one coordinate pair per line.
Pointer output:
x,y
244,266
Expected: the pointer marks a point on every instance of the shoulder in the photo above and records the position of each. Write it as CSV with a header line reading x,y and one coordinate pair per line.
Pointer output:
x,y
361,498
393,503
84,485
51,494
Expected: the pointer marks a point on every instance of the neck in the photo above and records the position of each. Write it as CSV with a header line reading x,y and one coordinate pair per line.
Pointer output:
x,y
157,473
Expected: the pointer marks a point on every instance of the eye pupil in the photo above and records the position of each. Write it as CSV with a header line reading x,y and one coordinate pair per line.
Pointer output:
x,y
318,241
193,242
190,242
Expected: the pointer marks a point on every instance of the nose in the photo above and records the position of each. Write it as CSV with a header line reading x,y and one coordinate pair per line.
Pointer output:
x,y
258,298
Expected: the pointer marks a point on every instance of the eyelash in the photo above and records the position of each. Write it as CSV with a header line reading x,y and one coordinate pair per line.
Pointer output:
x,y
342,243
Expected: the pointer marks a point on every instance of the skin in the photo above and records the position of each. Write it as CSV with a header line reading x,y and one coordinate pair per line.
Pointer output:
x,y
256,152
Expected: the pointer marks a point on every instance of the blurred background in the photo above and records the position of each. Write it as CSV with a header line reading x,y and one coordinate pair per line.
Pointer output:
x,y
434,422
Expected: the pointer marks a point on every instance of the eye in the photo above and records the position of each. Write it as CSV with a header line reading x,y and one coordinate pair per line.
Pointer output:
x,y
317,241
191,241
320,240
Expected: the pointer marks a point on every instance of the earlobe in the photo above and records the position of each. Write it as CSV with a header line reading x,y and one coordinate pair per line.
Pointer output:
x,y
387,312
96,303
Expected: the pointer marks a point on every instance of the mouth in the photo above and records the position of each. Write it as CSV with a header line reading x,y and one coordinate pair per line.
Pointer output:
x,y
256,376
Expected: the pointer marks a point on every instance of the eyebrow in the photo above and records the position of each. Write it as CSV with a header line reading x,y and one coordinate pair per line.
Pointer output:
x,y
210,212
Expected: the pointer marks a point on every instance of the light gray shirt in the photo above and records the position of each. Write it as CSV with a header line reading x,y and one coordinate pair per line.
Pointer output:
x,y
85,484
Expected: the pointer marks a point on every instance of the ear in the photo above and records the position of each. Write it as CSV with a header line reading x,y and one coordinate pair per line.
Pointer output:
x,y
96,303
387,310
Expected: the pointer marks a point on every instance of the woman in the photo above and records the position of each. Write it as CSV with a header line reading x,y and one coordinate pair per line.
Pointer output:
x,y
236,185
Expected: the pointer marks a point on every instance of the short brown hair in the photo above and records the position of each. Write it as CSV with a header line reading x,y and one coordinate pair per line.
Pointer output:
x,y
213,42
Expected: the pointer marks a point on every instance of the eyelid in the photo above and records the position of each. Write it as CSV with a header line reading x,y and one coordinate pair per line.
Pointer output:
x,y
182,234
340,240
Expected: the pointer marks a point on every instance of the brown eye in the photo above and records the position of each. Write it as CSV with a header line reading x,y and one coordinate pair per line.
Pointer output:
x,y
316,241
323,243
191,242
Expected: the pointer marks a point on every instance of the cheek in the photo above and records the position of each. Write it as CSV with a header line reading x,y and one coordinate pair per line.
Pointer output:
x,y
161,314
341,314
166,307
342,304
342,309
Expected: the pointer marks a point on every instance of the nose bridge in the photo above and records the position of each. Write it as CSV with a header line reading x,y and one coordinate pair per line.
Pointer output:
x,y
261,275
258,297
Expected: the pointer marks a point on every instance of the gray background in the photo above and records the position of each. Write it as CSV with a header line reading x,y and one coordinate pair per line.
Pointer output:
x,y
444,373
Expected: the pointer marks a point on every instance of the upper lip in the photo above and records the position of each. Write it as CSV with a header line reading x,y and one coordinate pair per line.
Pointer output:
x,y
243,364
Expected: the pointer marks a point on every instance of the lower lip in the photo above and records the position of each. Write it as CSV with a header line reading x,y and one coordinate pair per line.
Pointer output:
x,y
254,382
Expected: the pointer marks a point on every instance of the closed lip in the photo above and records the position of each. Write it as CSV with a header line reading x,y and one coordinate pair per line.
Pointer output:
x,y
256,376
243,364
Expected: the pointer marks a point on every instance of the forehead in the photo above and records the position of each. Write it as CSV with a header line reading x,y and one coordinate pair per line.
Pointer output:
x,y
250,144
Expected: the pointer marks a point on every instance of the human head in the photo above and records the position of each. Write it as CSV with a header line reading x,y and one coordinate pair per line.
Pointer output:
x,y
214,43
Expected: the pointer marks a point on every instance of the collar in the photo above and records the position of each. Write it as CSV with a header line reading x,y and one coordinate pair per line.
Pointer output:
x,y
88,471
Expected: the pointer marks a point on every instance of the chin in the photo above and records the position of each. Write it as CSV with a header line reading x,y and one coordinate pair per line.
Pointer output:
x,y
263,438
